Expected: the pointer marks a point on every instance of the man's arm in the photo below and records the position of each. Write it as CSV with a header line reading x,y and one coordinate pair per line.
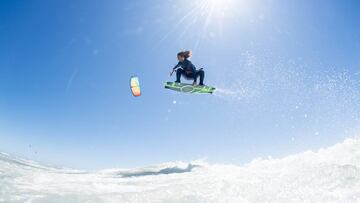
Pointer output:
x,y
177,66
173,70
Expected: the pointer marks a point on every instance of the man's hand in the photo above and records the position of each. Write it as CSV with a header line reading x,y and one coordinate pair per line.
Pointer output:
x,y
172,72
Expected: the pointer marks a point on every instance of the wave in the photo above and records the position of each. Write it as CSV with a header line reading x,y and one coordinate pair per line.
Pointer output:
x,y
158,171
327,175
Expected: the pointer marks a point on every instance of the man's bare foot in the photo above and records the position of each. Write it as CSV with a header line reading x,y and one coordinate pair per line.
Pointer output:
x,y
194,84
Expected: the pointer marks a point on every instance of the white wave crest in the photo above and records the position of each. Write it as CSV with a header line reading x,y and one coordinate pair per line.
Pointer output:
x,y
328,175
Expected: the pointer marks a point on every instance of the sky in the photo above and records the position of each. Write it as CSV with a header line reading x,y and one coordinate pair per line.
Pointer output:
x,y
287,74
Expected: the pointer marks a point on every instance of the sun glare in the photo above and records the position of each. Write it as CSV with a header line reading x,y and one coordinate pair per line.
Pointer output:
x,y
219,8
206,19
218,11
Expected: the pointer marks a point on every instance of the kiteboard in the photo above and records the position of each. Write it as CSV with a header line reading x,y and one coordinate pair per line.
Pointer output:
x,y
189,88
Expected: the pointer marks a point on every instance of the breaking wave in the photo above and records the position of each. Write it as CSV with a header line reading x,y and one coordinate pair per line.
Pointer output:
x,y
328,175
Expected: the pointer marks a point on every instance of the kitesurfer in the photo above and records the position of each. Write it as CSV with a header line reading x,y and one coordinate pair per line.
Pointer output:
x,y
187,69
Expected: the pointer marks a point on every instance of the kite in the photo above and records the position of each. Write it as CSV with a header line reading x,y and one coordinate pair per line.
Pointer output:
x,y
135,86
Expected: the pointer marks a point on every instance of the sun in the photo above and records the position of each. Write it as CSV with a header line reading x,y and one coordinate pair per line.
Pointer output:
x,y
219,8
216,14
217,11
200,20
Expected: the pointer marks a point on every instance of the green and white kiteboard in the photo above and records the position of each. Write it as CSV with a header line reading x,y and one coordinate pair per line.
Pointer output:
x,y
189,88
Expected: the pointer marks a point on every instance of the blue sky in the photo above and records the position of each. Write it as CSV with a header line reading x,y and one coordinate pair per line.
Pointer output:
x,y
287,73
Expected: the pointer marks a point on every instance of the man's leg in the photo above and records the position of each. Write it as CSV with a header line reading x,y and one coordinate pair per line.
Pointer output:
x,y
201,74
179,72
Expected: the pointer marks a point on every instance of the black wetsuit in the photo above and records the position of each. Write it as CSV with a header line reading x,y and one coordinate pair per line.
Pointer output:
x,y
188,70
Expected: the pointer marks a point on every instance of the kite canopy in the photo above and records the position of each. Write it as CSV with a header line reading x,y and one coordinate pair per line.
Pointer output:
x,y
135,86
